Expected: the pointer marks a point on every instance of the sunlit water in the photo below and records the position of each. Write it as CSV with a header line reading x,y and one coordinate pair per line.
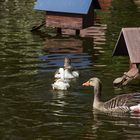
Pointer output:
x,y
29,108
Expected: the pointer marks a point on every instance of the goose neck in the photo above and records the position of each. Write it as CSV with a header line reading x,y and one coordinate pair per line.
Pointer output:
x,y
97,94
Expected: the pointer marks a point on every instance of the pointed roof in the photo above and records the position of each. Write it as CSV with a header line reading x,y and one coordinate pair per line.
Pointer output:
x,y
66,6
128,44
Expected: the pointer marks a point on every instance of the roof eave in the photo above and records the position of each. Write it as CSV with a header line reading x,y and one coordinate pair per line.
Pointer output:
x,y
120,47
78,13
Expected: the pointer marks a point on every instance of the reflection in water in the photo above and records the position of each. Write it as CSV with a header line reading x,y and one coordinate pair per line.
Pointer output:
x,y
29,108
127,123
80,52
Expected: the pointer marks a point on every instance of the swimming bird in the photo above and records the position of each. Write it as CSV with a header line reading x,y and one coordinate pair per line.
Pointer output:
x,y
60,84
68,71
121,103
68,74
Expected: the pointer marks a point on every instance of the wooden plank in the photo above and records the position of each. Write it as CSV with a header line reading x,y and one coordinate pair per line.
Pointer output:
x,y
132,40
133,73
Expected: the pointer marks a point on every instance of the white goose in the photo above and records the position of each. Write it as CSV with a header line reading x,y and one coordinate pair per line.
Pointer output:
x,y
62,83
68,74
67,71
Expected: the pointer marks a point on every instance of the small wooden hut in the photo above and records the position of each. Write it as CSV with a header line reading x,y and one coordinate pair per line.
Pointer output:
x,y
70,14
128,44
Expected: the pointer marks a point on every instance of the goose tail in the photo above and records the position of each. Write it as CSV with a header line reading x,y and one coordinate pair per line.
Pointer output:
x,y
135,108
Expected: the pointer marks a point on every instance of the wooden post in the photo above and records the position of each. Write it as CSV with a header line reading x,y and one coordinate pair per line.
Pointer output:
x,y
77,32
59,31
138,67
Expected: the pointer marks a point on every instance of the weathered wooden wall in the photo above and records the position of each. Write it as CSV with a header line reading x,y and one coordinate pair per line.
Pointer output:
x,y
64,21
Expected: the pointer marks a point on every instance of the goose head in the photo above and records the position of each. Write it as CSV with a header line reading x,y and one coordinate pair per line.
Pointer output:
x,y
94,82
67,63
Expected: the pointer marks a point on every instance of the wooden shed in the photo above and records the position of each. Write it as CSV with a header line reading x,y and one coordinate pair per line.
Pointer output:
x,y
70,14
128,44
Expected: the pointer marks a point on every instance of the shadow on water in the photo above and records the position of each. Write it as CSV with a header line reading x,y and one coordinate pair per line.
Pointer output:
x,y
29,108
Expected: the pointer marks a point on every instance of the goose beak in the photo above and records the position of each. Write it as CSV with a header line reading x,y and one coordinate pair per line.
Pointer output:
x,y
86,84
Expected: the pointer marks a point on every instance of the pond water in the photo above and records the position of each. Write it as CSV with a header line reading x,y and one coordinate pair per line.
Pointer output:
x,y
29,108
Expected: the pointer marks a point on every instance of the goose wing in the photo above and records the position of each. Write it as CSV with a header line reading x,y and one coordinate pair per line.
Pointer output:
x,y
122,103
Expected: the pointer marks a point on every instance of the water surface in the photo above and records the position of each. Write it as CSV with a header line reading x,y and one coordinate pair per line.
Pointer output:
x,y
29,108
